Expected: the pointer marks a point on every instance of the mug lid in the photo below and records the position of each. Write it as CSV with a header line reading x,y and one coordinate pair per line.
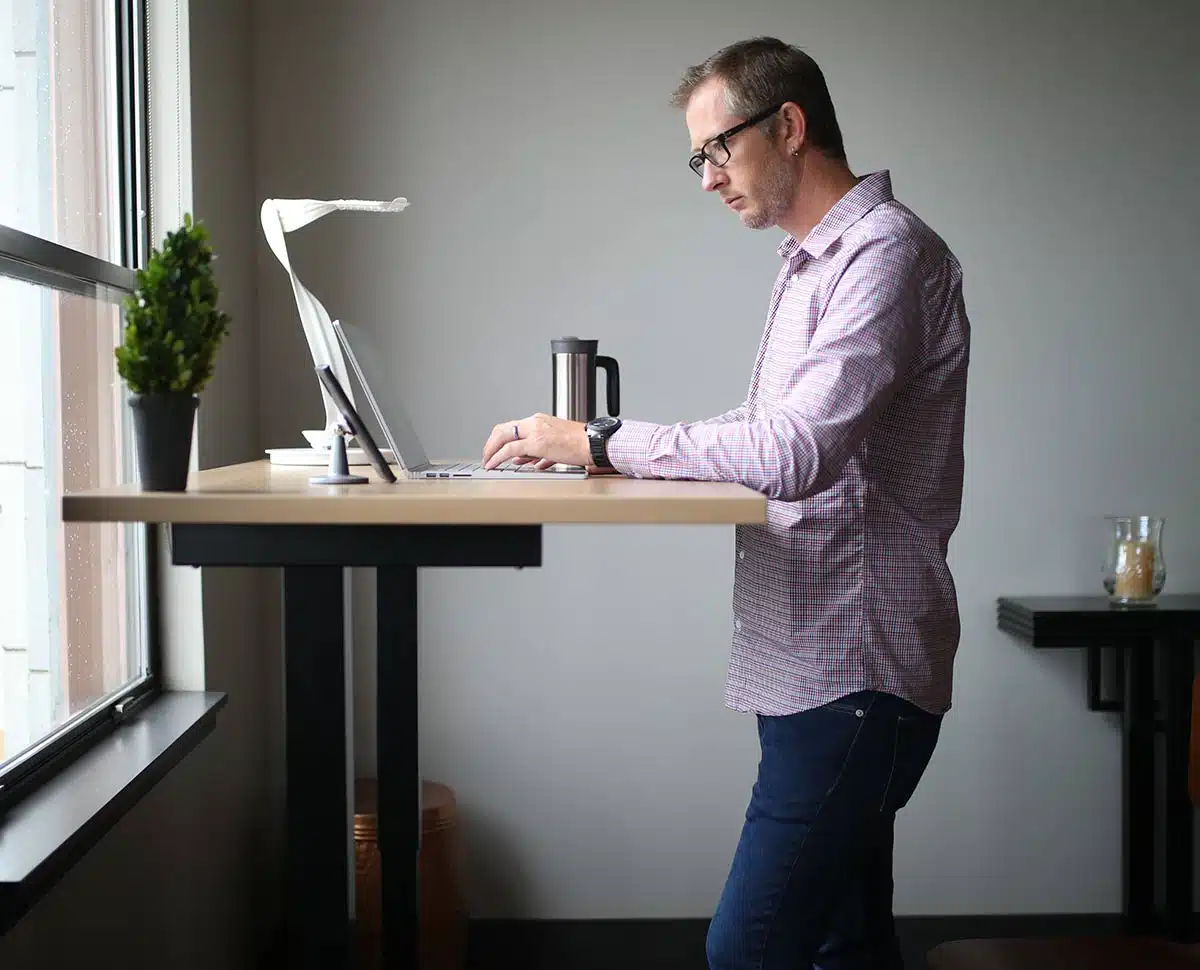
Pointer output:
x,y
573,345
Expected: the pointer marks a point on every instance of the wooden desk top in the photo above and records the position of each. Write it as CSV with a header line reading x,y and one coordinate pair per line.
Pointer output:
x,y
259,492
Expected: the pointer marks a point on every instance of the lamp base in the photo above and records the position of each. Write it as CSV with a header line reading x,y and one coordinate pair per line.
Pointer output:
x,y
339,468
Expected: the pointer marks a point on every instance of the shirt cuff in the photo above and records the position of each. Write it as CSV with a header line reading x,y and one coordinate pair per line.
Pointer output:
x,y
629,448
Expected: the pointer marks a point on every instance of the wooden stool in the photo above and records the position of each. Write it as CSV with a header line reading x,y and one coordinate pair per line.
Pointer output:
x,y
442,935
1066,953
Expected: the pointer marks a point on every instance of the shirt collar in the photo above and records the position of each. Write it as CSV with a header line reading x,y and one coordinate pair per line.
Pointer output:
x,y
870,191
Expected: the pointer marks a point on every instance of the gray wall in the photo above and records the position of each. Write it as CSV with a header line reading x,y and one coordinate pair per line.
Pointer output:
x,y
1053,148
238,657
190,877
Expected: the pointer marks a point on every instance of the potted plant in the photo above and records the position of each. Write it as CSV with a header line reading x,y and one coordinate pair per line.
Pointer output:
x,y
172,331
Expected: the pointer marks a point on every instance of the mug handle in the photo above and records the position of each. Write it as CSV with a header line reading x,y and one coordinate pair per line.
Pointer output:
x,y
612,373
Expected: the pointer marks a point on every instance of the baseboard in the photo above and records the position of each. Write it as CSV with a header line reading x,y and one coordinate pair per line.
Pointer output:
x,y
678,944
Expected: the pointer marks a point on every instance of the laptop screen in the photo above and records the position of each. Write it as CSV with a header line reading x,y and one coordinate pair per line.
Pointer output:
x,y
379,388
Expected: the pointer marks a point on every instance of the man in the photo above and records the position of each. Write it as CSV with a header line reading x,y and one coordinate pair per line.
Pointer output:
x,y
846,619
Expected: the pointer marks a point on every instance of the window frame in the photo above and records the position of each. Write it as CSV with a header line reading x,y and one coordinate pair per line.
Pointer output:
x,y
36,260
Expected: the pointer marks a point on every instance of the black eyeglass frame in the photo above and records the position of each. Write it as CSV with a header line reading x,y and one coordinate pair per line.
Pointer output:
x,y
696,162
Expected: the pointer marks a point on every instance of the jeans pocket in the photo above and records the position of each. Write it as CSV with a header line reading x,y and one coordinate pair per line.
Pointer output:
x,y
856,704
913,744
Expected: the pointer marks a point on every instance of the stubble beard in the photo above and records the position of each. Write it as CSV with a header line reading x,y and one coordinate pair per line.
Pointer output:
x,y
778,189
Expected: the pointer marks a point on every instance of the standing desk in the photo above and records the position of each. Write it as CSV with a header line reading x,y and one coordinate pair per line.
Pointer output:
x,y
262,515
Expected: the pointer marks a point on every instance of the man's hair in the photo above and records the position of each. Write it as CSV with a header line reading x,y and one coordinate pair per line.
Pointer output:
x,y
762,72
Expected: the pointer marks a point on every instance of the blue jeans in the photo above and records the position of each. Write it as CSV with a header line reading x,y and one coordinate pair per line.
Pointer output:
x,y
811,880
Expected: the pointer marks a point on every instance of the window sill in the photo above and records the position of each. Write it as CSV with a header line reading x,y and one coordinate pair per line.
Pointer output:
x,y
52,828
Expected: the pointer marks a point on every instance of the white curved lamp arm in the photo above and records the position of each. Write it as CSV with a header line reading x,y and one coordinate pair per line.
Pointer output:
x,y
280,216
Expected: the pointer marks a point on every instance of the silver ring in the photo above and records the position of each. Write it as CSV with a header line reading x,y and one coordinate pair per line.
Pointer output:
x,y
516,433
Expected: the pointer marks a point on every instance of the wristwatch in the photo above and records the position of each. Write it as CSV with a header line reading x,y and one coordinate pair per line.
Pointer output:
x,y
599,430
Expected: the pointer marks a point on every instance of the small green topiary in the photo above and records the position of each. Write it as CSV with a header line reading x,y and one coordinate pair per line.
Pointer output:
x,y
172,325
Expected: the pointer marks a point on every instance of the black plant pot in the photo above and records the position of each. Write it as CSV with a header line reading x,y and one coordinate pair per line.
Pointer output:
x,y
162,426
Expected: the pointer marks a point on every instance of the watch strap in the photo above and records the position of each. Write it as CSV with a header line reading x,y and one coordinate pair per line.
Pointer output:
x,y
598,433
598,443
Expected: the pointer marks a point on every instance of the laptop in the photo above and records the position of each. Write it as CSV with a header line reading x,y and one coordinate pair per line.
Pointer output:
x,y
368,365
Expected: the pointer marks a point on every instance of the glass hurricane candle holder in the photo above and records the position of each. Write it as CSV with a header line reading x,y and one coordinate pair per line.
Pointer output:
x,y
1134,569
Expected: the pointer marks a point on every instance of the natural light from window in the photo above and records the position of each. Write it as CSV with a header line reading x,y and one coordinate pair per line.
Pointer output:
x,y
71,617
58,154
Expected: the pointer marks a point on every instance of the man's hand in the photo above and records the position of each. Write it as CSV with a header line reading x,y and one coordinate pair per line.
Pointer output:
x,y
542,438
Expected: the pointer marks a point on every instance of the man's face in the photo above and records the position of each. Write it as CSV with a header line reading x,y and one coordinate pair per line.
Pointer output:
x,y
757,182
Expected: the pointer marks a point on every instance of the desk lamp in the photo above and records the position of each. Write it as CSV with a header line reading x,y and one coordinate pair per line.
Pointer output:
x,y
279,217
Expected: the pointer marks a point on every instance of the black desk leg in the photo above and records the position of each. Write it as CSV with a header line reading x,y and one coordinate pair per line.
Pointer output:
x,y
1138,784
398,761
317,835
1180,671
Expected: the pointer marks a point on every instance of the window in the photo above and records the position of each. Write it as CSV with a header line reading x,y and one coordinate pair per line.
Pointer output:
x,y
76,630
58,122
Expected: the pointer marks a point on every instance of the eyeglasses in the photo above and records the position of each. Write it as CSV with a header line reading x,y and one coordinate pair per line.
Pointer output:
x,y
716,149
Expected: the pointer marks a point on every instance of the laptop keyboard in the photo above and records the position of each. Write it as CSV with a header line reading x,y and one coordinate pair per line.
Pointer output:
x,y
463,469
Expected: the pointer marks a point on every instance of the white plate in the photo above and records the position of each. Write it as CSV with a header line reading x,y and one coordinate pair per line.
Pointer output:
x,y
311,457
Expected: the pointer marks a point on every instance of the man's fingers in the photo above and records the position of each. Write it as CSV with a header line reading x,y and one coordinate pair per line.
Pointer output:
x,y
496,457
512,450
491,446
500,436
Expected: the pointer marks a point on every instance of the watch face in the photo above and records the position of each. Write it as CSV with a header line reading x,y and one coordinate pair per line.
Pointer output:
x,y
604,423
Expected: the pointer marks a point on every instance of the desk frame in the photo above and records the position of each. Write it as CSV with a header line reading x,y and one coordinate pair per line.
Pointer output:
x,y
312,558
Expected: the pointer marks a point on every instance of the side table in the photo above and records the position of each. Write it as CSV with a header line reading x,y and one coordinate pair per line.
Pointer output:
x,y
1147,641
